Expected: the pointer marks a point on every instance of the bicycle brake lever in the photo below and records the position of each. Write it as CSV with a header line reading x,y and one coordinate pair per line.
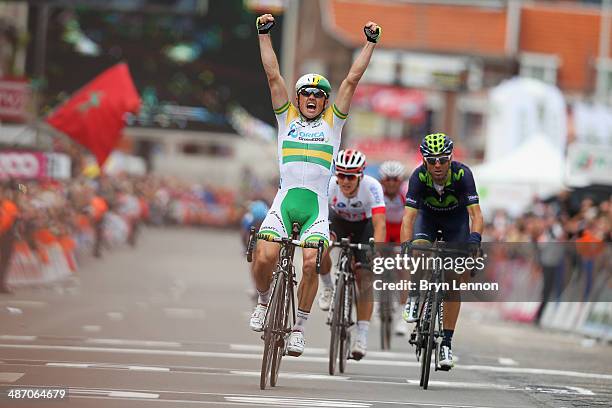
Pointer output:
x,y
250,246
319,254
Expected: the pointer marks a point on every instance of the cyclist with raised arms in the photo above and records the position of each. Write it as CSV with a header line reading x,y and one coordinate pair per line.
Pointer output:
x,y
392,177
358,213
441,197
308,140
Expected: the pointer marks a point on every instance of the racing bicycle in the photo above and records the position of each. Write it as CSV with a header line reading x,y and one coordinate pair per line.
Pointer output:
x,y
280,317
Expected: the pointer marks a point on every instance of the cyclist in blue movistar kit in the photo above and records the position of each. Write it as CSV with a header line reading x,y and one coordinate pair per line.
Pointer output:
x,y
441,197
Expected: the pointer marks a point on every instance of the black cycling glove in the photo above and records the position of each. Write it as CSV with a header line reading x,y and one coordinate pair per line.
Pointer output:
x,y
263,28
372,35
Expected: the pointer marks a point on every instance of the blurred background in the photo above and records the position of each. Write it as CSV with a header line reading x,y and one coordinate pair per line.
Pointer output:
x,y
524,88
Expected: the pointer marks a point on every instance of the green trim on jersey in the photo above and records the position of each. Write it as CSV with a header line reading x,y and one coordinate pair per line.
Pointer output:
x,y
282,109
338,113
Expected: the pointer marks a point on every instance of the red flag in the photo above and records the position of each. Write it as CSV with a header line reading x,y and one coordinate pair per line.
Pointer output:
x,y
93,116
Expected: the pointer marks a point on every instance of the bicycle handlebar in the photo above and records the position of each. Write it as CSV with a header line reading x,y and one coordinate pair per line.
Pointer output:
x,y
436,249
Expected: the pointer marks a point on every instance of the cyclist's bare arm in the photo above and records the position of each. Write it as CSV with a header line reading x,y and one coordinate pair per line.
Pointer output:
x,y
408,224
380,227
349,84
476,218
278,90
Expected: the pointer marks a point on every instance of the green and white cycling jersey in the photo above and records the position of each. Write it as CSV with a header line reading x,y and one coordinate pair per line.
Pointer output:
x,y
307,149
306,153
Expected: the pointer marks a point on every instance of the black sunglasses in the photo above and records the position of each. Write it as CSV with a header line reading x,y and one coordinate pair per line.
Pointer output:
x,y
318,93
349,177
391,179
441,159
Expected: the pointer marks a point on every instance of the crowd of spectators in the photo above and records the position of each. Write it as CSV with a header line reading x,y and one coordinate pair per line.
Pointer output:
x,y
555,220
97,214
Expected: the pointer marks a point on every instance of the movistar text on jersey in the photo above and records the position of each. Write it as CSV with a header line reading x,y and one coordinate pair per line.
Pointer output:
x,y
413,264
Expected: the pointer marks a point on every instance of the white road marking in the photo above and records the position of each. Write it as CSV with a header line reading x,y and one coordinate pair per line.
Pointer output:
x,y
145,368
318,351
126,342
10,377
188,353
507,361
125,394
17,338
69,365
115,316
182,313
24,303
14,310
103,365
114,393
92,328
295,376
297,402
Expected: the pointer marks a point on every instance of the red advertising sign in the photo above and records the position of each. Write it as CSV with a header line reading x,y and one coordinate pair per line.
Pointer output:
x,y
14,99
33,165
22,165
392,101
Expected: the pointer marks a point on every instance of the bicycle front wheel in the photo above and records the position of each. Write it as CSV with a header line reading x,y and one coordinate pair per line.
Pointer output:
x,y
433,318
345,333
271,328
336,325
282,314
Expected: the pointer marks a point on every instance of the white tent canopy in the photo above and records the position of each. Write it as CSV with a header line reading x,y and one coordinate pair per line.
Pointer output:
x,y
535,168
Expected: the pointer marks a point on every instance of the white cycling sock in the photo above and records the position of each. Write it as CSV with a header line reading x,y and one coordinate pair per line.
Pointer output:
x,y
300,321
362,328
264,297
326,280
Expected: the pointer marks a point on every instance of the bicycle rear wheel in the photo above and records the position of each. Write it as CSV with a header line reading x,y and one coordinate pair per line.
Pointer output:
x,y
282,314
430,338
270,337
336,325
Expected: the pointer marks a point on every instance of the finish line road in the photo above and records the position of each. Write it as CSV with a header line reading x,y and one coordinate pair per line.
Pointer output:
x,y
166,325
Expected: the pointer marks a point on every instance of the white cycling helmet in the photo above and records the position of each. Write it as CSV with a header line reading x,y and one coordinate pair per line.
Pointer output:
x,y
313,81
350,161
390,169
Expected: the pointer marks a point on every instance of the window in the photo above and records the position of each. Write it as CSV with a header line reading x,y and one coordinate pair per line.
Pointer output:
x,y
540,66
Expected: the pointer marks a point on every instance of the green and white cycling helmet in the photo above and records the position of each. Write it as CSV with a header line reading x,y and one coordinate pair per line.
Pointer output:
x,y
436,144
313,81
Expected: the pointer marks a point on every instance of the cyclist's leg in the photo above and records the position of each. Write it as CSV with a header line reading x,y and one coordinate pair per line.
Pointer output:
x,y
326,282
266,253
266,256
362,232
315,227
455,231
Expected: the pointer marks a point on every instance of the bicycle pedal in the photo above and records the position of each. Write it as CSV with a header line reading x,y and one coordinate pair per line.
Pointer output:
x,y
440,368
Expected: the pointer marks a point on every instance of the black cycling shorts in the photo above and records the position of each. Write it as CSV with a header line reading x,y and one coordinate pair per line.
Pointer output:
x,y
357,231
455,227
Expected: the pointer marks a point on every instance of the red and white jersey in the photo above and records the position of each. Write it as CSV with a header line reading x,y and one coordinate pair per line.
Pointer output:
x,y
368,200
395,205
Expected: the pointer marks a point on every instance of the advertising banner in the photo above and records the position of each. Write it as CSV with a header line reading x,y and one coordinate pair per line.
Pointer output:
x,y
14,99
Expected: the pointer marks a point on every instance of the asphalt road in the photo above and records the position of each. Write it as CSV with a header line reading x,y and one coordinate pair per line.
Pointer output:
x,y
166,325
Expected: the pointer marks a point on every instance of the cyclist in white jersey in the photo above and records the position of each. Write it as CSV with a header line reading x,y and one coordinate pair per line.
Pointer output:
x,y
308,141
357,212
392,177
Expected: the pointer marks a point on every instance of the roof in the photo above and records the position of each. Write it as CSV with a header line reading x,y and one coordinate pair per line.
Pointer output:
x,y
437,27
